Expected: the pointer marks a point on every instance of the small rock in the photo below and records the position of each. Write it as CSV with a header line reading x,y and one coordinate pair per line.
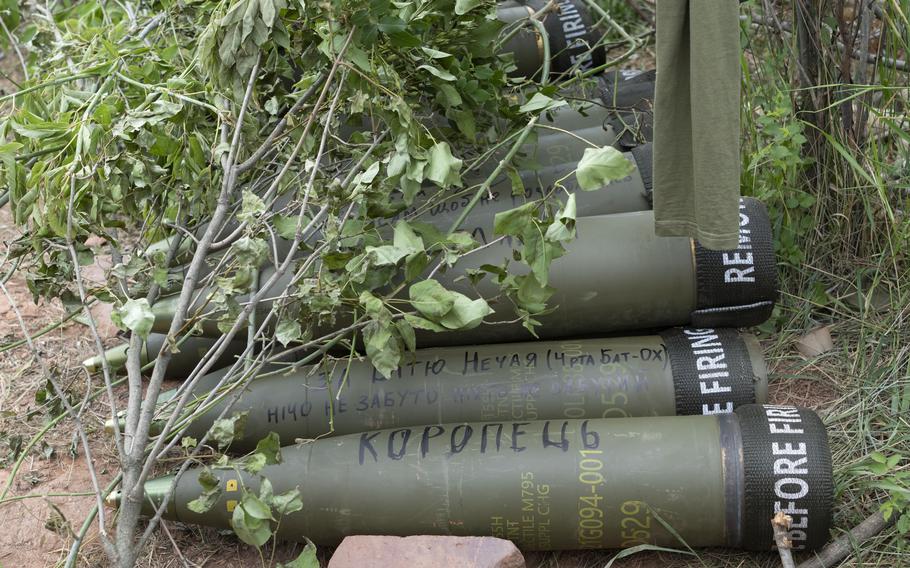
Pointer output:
x,y
426,552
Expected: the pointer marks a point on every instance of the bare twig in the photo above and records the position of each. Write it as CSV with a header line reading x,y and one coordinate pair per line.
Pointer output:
x,y
832,554
781,523
280,126
242,318
140,419
174,544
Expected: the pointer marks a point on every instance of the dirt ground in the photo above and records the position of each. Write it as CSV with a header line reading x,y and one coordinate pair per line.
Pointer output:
x,y
43,525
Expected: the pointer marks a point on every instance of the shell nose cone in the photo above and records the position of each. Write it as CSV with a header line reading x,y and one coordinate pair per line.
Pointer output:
x,y
92,364
113,499
115,357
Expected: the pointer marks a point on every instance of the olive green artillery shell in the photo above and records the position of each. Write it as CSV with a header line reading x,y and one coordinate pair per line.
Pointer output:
x,y
555,484
616,276
600,119
183,361
631,193
561,140
586,378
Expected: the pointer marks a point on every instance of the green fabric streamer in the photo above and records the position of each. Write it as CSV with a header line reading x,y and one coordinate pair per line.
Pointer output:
x,y
696,122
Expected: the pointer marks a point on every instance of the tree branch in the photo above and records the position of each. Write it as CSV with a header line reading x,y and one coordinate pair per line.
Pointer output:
x,y
845,544
781,524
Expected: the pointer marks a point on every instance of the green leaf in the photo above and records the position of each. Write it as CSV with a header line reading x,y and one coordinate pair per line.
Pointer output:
x,y
539,253
431,299
369,174
404,243
403,39
270,447
462,7
563,227
600,166
203,503
136,316
267,11
443,168
288,330
518,185
406,331
287,502
531,295
514,221
903,524
208,480
224,430
435,53
406,239
373,306
250,529
266,491
255,508
415,265
437,72
423,323
286,225
211,490
250,250
307,558
451,95
382,347
251,206
466,313
254,463
540,102
464,120
386,255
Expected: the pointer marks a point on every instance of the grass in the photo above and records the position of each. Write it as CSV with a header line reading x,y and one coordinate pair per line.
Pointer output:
x,y
839,198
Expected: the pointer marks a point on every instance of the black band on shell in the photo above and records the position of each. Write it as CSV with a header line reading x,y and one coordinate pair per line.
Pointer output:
x,y
712,370
786,466
738,288
643,160
571,34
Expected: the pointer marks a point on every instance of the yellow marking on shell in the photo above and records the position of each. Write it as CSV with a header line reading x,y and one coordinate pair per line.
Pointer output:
x,y
231,485
231,505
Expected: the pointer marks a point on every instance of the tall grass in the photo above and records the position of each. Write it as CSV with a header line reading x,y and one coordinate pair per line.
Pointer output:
x,y
830,161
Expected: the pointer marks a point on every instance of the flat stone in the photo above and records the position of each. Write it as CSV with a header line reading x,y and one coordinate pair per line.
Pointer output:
x,y
426,552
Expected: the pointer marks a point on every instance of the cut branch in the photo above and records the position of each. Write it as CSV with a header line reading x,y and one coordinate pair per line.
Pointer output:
x,y
841,548
781,524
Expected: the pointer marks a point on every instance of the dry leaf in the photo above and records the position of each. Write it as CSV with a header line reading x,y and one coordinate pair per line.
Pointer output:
x,y
815,342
